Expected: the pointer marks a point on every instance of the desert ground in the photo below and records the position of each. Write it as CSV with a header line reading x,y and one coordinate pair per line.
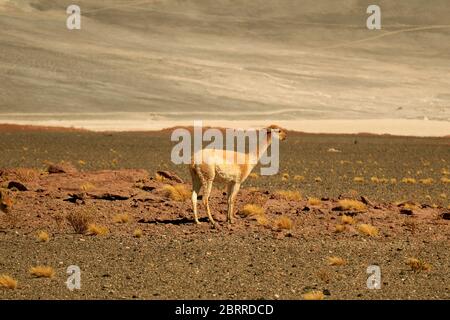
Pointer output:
x,y
142,242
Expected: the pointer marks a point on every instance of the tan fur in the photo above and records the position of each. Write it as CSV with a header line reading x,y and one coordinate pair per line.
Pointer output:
x,y
215,165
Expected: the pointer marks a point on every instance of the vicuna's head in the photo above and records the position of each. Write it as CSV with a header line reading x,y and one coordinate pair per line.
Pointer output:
x,y
277,130
5,202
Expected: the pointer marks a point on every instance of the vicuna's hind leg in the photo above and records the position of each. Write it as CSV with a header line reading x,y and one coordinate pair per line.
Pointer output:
x,y
232,191
207,191
196,186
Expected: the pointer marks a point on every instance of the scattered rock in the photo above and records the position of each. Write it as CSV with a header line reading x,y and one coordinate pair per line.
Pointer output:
x,y
148,188
17,185
109,197
445,215
306,208
170,176
366,201
61,168
406,211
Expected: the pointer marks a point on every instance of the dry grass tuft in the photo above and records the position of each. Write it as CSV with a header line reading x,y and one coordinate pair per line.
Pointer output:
x,y
409,180
314,295
7,282
137,233
87,186
262,220
418,265
159,177
427,181
251,210
43,236
27,174
336,261
289,195
358,179
79,220
314,201
96,230
253,175
42,272
368,229
347,219
318,179
348,204
339,228
299,178
445,180
285,177
177,192
284,223
121,218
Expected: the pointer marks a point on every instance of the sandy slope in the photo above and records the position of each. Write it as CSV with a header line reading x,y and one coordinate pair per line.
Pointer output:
x,y
226,59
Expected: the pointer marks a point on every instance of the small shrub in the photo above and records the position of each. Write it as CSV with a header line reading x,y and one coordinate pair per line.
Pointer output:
x,y
314,295
250,210
121,218
284,223
368,229
314,201
79,220
289,195
96,230
43,236
137,233
418,265
347,219
7,282
336,261
347,204
42,272
177,192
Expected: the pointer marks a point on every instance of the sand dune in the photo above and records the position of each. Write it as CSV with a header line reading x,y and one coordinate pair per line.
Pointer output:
x,y
226,60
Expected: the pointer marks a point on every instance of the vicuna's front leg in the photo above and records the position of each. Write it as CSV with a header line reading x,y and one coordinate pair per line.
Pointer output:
x,y
233,189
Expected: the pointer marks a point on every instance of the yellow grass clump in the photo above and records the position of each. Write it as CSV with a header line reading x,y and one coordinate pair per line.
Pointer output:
x,y
314,201
289,195
121,218
262,220
393,180
339,228
96,230
177,192
318,179
375,179
348,204
418,265
358,179
27,174
7,282
42,272
314,295
87,186
137,233
284,223
445,180
250,210
336,261
253,175
81,162
426,181
43,236
347,219
409,180
159,177
299,178
285,177
368,229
